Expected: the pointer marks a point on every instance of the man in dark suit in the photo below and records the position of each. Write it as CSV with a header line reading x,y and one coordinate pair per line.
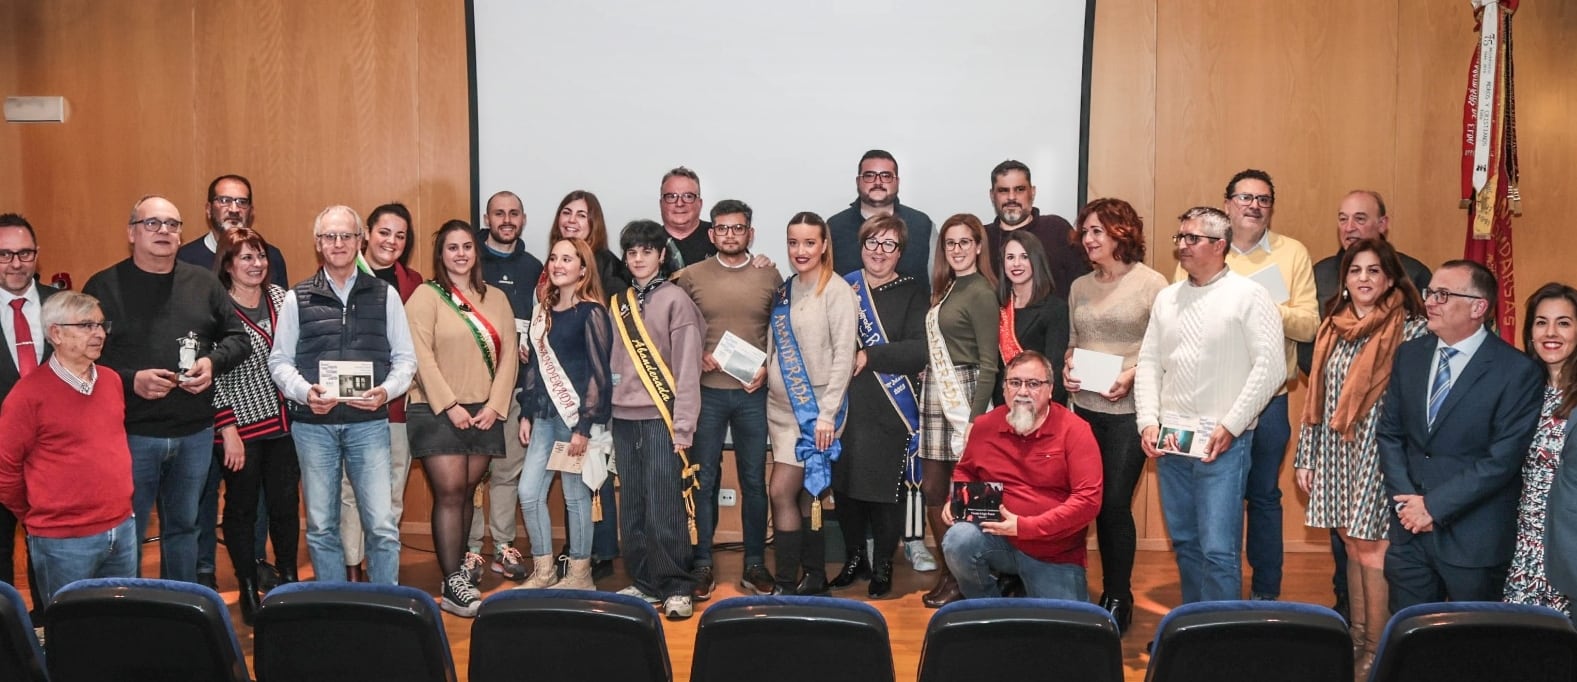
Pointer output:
x,y
1560,524
26,345
1461,410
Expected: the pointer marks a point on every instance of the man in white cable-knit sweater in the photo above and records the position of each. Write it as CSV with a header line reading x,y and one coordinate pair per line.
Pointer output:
x,y
1211,359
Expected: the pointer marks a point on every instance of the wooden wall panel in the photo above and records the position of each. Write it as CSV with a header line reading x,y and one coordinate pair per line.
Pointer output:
x,y
10,133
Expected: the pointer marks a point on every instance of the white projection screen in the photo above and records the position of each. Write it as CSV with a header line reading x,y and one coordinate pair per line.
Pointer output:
x,y
774,103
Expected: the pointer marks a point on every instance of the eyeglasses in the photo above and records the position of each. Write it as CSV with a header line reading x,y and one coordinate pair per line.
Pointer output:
x,y
25,255
873,176
882,245
1443,295
87,326
738,229
1244,198
338,237
1031,384
238,202
953,244
677,198
1192,239
153,224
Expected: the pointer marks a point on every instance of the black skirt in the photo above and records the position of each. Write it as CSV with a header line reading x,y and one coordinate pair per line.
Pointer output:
x,y
433,434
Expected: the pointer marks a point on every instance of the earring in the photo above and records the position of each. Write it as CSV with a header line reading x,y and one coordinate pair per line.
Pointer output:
x,y
1344,294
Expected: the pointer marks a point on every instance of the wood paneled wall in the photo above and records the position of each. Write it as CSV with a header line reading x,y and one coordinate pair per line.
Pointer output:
x,y
365,101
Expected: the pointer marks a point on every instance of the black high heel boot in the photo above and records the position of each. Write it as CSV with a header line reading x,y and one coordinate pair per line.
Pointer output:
x,y
1121,610
813,558
786,550
881,579
856,568
248,599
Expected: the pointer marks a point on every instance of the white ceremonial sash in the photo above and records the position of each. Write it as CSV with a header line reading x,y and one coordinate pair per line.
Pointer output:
x,y
955,406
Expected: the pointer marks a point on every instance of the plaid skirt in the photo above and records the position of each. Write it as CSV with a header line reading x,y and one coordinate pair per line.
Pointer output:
x,y
935,431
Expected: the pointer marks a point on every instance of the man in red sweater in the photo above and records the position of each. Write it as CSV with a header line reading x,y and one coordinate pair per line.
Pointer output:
x,y
65,468
1049,465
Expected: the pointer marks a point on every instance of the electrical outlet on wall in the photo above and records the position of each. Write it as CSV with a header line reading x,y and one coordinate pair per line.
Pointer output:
x,y
727,497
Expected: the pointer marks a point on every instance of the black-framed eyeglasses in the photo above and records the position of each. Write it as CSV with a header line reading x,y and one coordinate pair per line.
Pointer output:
x,y
25,255
1031,384
1245,199
737,229
1443,295
873,176
882,245
1192,238
238,202
153,224
680,198
87,326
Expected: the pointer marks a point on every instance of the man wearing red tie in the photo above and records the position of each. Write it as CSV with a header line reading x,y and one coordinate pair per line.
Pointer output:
x,y
25,343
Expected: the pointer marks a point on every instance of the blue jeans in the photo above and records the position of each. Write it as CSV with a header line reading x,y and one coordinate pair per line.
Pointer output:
x,y
172,471
536,481
1203,503
973,556
359,451
58,562
745,414
1263,549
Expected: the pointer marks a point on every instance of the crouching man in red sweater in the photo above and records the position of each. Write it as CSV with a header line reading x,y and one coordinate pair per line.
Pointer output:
x,y
65,469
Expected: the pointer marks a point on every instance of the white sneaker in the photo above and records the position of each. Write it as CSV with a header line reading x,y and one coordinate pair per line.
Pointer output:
x,y
633,591
919,556
678,607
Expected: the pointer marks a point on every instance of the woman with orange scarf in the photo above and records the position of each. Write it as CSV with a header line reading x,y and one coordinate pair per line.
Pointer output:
x,y
1337,462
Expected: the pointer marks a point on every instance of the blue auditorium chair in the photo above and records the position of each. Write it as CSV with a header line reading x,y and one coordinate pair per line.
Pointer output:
x,y
792,639
141,630
1251,641
351,631
1460,641
1022,639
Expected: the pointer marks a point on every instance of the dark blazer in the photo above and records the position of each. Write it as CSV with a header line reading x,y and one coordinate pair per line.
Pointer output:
x,y
8,371
1468,466
1560,521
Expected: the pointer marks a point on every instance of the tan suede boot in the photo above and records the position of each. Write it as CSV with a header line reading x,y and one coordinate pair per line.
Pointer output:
x,y
1358,616
579,577
543,574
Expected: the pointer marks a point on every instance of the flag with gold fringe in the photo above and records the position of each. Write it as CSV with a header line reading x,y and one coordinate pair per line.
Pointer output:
x,y
1489,155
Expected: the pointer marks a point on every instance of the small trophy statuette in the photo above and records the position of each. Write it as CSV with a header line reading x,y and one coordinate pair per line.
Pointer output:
x,y
188,345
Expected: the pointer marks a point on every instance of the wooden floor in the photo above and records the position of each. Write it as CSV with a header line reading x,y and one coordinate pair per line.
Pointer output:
x,y
1306,579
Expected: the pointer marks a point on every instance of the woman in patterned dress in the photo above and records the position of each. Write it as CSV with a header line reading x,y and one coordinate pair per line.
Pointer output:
x,y
1338,459
1549,335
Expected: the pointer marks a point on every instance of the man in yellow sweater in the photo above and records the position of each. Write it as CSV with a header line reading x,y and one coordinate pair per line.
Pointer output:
x,y
1272,259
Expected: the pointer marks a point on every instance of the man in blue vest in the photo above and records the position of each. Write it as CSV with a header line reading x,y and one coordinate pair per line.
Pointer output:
x,y
330,323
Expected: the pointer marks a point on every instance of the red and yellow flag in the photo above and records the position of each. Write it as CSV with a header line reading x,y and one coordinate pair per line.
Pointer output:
x,y
1489,154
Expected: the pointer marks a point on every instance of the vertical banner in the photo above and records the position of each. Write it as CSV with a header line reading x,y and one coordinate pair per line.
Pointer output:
x,y
1489,155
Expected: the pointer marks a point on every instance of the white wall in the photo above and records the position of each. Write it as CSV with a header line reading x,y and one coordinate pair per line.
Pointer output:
x,y
773,103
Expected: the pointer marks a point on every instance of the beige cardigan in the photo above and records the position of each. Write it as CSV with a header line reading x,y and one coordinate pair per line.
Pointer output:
x,y
449,364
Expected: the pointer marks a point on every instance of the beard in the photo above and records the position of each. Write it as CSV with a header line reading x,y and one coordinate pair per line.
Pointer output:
x,y
1012,215
1022,416
889,200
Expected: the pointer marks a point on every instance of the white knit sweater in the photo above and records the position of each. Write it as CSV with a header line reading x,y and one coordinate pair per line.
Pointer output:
x,y
1212,352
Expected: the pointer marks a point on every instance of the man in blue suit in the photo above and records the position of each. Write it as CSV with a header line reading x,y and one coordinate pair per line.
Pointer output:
x,y
1459,415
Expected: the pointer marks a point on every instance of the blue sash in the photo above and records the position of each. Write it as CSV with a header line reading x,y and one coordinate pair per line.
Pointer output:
x,y
801,397
900,392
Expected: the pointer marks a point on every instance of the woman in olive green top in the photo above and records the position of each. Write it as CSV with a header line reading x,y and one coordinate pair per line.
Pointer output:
x,y
961,337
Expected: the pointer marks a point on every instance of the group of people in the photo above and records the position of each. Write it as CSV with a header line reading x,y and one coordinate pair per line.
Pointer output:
x,y
632,366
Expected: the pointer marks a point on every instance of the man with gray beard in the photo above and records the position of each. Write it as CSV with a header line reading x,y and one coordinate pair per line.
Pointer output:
x,y
1049,465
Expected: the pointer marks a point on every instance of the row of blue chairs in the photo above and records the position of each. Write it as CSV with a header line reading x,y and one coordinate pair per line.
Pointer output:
x,y
137,630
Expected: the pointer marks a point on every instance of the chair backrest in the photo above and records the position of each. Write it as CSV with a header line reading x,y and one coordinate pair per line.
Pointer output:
x,y
574,635
141,630
21,658
1249,641
1455,641
1022,639
350,631
792,639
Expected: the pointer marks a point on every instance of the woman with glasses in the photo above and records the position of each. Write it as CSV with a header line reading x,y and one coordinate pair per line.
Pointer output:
x,y
1549,335
251,428
1337,460
1110,310
961,369
571,339
811,341
875,477
464,335
1030,317
386,256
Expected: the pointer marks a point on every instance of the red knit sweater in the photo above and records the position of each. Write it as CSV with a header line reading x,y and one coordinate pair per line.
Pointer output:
x,y
65,469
